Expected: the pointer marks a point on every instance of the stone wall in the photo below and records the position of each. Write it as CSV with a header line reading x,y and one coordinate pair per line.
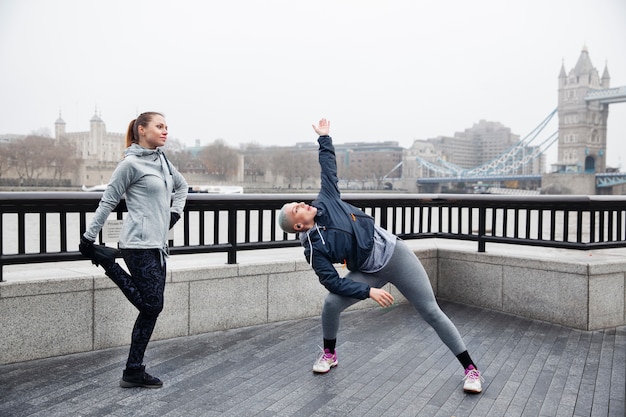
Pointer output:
x,y
45,318
568,184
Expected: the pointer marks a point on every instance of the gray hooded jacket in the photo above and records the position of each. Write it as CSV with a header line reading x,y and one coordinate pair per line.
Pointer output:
x,y
147,179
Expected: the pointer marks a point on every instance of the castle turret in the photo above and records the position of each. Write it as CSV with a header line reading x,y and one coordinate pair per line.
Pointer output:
x,y
98,128
562,75
59,127
606,78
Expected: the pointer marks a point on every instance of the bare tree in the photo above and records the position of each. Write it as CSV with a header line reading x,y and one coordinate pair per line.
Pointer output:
x,y
220,160
296,167
44,132
5,158
173,145
256,161
31,157
63,160
349,171
180,156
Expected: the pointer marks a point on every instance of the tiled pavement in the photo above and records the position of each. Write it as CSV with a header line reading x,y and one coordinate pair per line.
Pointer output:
x,y
390,364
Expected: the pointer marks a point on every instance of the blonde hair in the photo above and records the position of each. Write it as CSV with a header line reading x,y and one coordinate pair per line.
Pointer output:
x,y
284,222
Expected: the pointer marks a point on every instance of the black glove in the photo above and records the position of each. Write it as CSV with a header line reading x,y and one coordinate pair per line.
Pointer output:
x,y
86,247
174,217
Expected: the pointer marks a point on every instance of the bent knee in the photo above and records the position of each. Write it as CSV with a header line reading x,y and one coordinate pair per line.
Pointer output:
x,y
152,310
335,303
432,314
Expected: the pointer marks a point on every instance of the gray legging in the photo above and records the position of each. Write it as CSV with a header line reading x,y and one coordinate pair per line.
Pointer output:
x,y
407,274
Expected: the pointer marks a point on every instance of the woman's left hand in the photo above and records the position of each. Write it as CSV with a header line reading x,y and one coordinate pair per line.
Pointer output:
x,y
382,297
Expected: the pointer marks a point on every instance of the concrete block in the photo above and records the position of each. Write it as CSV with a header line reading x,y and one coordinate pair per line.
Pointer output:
x,y
606,300
303,265
47,286
397,295
220,304
600,265
559,261
101,282
556,297
114,317
266,268
470,281
204,273
46,325
174,319
294,295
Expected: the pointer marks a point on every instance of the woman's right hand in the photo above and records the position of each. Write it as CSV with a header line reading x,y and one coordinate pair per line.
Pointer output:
x,y
382,297
322,128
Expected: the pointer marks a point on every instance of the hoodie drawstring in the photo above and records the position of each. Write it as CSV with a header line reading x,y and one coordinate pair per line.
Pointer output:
x,y
167,162
311,245
165,253
158,154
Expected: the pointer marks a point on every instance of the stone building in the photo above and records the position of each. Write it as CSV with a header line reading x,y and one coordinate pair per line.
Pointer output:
x,y
97,150
582,123
477,145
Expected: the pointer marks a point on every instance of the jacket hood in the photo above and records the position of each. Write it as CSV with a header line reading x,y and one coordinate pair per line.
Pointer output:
x,y
137,150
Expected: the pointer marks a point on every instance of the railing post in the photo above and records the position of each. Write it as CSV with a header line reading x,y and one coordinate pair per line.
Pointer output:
x,y
232,236
1,234
384,218
482,219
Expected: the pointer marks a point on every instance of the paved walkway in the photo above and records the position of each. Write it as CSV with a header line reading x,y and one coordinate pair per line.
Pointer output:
x,y
390,364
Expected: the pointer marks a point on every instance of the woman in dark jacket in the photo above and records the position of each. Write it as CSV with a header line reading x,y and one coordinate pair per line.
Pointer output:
x,y
335,232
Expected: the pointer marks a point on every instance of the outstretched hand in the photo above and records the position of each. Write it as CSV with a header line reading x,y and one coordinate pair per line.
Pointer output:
x,y
322,128
382,297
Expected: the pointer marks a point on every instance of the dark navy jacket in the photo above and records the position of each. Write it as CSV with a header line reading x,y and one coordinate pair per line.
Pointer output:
x,y
343,234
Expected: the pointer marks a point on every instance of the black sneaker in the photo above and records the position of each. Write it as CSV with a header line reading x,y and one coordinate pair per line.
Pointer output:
x,y
139,378
99,253
102,254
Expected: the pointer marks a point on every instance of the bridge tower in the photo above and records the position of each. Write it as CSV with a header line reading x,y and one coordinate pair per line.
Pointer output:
x,y
582,123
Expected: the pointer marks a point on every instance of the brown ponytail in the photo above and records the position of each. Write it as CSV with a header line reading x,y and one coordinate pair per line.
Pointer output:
x,y
132,133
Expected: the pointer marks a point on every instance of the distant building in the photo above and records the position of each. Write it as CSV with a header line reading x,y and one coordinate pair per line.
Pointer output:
x,y
377,161
421,150
97,151
477,145
8,138
582,123
360,165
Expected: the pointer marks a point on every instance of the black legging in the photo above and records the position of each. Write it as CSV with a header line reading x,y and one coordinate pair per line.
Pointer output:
x,y
144,289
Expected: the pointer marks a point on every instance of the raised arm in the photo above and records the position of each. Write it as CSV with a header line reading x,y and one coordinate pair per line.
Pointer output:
x,y
327,160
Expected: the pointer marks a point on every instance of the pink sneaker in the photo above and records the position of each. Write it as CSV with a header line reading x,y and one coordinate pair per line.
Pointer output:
x,y
472,384
325,362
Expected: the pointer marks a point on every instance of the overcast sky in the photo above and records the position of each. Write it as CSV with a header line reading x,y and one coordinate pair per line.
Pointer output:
x,y
265,70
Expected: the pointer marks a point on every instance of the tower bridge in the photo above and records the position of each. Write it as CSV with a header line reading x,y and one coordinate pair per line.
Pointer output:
x,y
607,95
584,99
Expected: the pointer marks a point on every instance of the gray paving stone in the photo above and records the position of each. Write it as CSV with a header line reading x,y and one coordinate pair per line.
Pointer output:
x,y
390,364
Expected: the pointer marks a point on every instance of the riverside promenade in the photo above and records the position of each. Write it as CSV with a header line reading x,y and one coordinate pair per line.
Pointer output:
x,y
390,364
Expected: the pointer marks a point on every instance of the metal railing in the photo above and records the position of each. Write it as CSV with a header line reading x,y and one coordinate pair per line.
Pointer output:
x,y
40,227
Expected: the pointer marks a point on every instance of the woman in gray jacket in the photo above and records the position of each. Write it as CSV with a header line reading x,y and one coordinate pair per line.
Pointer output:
x,y
147,179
